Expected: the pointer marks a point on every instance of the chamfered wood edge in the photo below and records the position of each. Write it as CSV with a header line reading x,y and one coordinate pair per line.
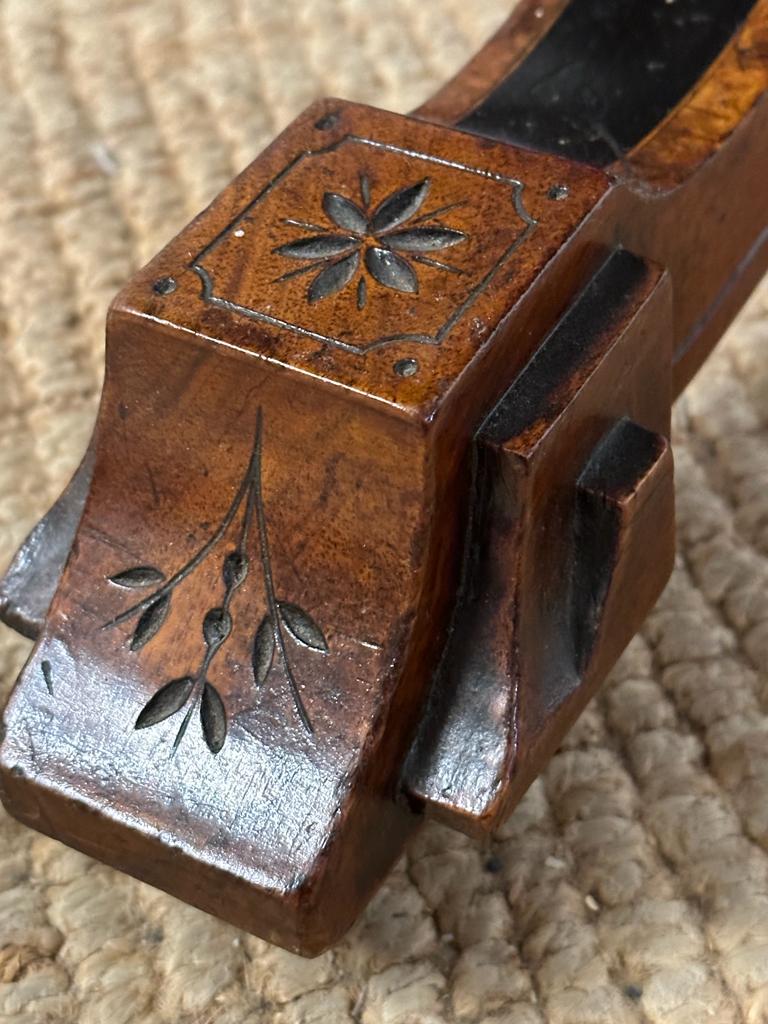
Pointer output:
x,y
541,410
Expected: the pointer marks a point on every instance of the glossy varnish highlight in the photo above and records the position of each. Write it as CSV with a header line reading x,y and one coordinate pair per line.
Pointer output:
x,y
382,453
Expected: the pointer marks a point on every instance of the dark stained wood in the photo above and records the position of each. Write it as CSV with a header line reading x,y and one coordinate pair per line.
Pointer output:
x,y
573,493
606,74
382,455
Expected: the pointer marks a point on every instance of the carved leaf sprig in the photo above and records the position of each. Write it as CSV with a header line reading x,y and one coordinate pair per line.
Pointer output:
x,y
197,690
153,615
216,629
387,243
301,627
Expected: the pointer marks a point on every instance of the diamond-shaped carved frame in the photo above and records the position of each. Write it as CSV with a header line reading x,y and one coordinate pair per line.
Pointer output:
x,y
208,293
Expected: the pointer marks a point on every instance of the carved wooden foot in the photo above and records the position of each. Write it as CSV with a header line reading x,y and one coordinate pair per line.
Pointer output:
x,y
381,483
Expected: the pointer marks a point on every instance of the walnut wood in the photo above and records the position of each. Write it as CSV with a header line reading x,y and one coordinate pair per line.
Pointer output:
x,y
605,75
382,454
573,499
725,94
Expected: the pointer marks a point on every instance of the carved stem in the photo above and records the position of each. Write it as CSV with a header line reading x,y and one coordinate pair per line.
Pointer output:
x,y
232,585
269,587
204,551
182,729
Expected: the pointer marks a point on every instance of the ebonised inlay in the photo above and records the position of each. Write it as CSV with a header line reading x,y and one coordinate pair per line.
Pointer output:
x,y
606,74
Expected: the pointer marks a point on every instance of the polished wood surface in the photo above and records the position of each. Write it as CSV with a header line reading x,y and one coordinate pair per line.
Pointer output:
x,y
382,453
573,490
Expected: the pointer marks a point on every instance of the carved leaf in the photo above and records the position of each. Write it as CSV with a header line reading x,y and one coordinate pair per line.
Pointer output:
x,y
302,626
140,576
333,278
217,625
391,270
150,622
263,650
344,213
399,207
235,569
317,247
166,702
47,671
424,239
214,718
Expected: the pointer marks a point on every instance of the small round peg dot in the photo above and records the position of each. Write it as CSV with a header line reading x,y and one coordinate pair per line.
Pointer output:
x,y
327,122
164,286
406,367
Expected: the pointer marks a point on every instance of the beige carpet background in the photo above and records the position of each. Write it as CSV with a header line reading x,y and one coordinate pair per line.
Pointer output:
x,y
631,886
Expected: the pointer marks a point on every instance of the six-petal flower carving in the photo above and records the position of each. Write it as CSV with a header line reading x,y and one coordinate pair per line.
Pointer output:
x,y
385,242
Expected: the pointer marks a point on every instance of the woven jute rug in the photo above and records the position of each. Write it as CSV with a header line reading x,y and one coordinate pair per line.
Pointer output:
x,y
632,883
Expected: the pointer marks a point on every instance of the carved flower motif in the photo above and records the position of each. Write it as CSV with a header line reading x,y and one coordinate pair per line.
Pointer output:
x,y
385,242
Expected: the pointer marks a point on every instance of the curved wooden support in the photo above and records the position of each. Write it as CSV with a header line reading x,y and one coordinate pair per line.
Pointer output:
x,y
574,477
382,455
654,94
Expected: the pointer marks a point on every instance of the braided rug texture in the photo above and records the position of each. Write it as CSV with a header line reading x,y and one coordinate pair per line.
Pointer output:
x,y
631,886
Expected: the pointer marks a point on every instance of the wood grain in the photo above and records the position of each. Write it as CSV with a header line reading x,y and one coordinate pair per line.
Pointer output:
x,y
382,448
